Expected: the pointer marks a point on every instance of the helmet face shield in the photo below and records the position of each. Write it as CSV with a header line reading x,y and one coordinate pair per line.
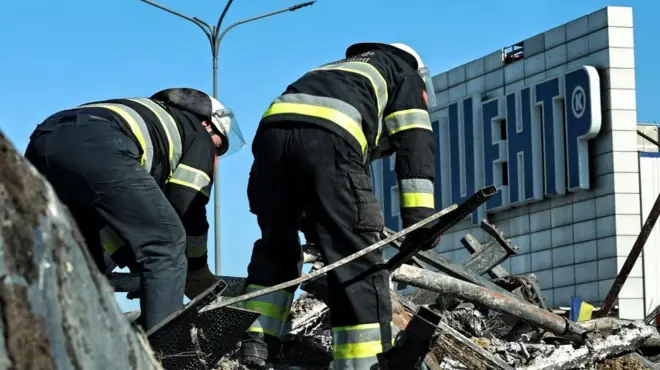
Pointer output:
x,y
226,124
425,73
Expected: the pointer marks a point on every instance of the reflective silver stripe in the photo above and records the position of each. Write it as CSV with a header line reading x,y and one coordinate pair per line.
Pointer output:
x,y
137,126
356,346
407,119
364,363
322,101
325,108
196,245
274,308
356,335
267,325
170,127
370,72
191,177
416,186
378,83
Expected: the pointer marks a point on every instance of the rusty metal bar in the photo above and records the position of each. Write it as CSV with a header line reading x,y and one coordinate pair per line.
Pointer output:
x,y
460,272
443,224
632,258
296,282
488,258
447,285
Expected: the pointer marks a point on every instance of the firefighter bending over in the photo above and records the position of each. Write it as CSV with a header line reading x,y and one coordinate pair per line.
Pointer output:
x,y
136,175
311,156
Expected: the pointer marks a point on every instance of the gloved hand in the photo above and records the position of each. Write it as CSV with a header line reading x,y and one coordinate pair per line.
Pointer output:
x,y
197,281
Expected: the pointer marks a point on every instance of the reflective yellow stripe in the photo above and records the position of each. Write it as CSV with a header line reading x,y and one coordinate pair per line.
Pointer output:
x,y
274,308
355,347
346,122
357,350
410,200
110,241
169,126
356,327
406,120
137,126
191,177
267,309
196,246
267,325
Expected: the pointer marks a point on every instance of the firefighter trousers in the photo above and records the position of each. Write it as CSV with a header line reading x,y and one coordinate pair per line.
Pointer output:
x,y
94,168
301,169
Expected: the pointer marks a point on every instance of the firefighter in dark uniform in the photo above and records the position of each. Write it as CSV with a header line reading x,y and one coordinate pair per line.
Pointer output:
x,y
311,156
136,175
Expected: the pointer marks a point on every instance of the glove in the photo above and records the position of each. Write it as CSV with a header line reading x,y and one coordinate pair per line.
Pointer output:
x,y
198,281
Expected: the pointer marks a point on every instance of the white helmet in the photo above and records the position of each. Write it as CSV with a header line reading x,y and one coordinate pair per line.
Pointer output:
x,y
210,109
411,51
423,71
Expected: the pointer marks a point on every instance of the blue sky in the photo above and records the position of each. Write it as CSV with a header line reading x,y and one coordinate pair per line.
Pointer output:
x,y
57,54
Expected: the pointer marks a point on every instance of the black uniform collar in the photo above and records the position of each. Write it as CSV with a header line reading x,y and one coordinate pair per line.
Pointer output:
x,y
362,47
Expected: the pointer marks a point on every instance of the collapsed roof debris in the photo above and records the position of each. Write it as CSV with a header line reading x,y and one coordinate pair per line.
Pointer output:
x,y
486,318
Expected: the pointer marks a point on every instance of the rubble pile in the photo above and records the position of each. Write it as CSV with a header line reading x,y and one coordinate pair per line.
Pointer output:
x,y
487,319
614,344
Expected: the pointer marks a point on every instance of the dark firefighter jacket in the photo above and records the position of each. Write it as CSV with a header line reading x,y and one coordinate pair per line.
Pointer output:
x,y
176,150
377,102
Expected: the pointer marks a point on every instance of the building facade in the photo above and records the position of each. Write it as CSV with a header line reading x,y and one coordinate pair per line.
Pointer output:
x,y
552,122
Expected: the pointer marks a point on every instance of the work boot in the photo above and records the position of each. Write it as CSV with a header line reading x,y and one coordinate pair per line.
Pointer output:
x,y
197,281
259,350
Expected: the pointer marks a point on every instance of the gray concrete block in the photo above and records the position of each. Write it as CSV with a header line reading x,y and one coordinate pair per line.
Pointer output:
x,y
598,20
534,79
534,64
556,56
577,48
490,94
494,79
476,85
534,45
441,82
442,98
457,92
475,68
514,72
494,61
555,37
456,75
514,86
577,28
556,71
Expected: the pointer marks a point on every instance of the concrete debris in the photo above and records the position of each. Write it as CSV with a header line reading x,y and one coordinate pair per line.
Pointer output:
x,y
482,330
479,327
487,319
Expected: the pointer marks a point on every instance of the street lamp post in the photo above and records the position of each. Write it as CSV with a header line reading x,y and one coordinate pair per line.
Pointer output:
x,y
214,37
